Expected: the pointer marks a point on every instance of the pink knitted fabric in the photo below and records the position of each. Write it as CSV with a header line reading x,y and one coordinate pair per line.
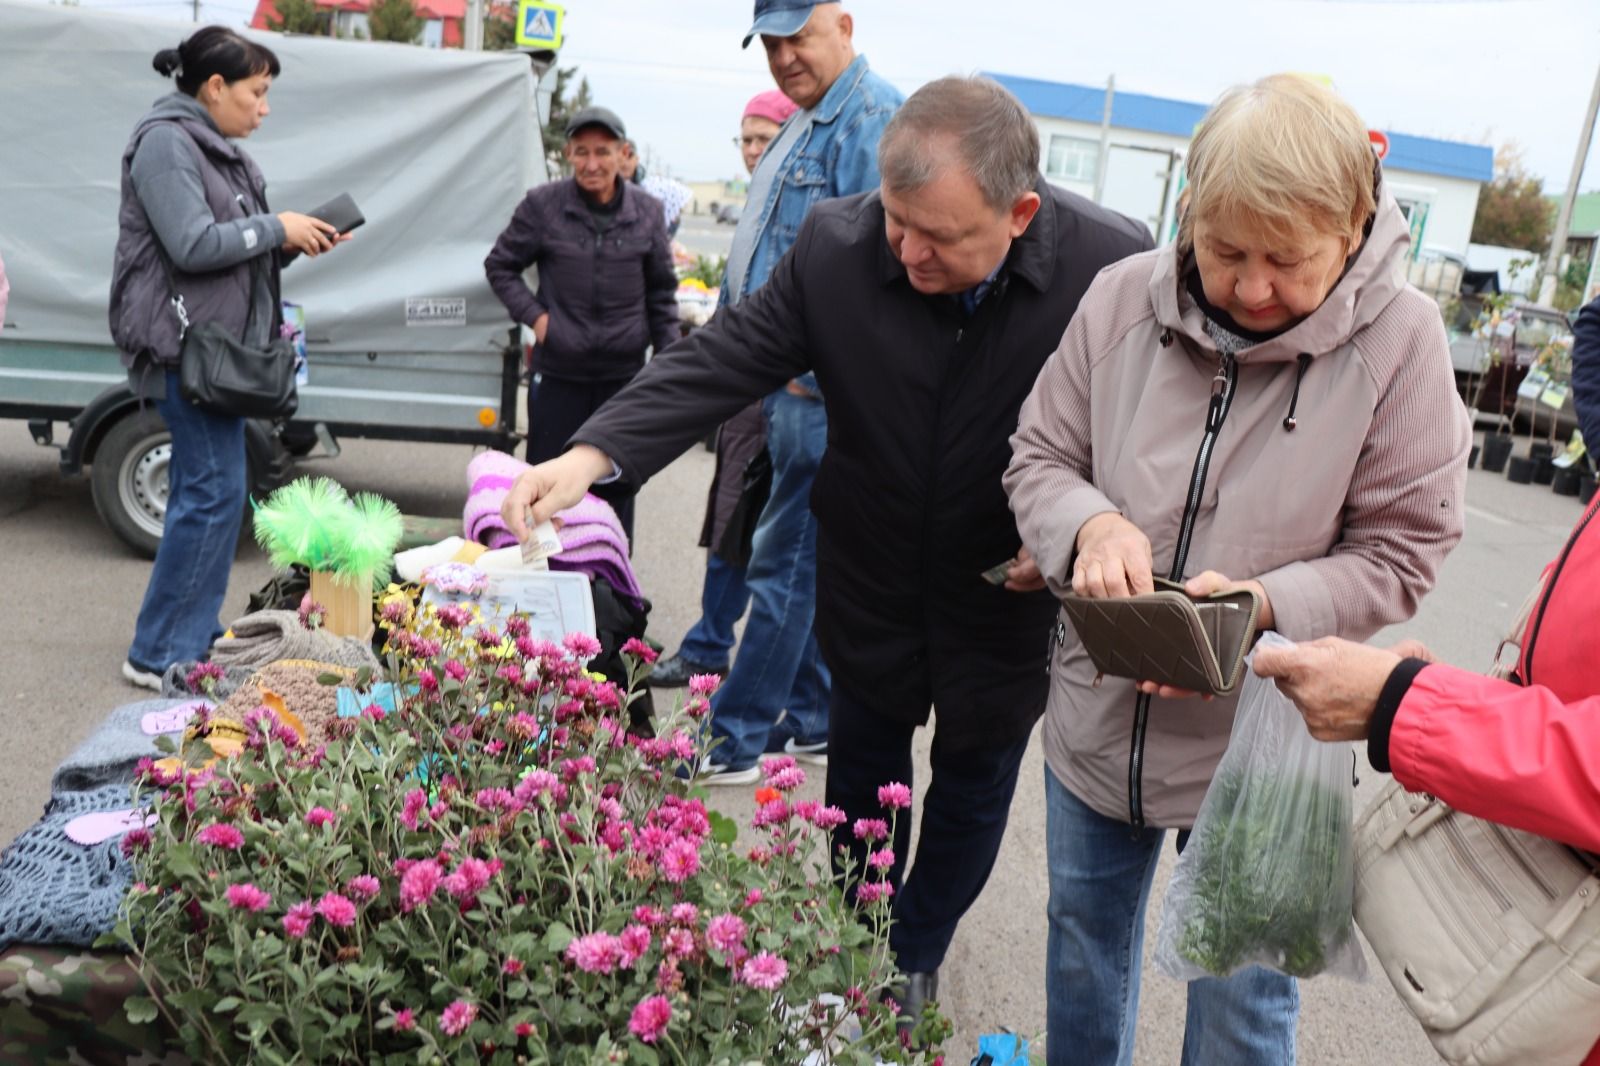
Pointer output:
x,y
592,540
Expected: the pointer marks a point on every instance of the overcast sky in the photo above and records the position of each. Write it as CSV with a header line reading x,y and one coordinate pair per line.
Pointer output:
x,y
1483,71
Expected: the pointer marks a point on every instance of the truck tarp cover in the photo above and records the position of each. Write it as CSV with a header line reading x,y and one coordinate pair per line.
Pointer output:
x,y
437,148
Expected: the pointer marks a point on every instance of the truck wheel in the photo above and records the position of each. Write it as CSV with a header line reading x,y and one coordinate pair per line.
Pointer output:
x,y
129,479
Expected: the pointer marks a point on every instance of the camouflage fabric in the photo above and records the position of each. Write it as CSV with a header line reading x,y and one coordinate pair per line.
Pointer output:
x,y
63,1007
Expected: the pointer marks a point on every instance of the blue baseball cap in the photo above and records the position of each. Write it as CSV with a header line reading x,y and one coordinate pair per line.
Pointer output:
x,y
781,18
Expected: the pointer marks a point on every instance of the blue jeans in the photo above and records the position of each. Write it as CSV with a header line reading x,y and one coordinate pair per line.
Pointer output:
x,y
1100,874
206,488
723,598
778,667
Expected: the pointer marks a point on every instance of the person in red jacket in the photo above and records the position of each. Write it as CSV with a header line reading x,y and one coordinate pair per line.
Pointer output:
x,y
1524,752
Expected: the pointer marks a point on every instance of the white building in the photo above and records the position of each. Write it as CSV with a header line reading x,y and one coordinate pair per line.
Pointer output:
x,y
1435,182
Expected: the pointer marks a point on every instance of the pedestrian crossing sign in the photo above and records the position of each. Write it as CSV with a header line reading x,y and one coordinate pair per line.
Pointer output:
x,y
539,24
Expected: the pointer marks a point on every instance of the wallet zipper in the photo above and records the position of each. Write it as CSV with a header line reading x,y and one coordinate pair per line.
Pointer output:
x,y
1222,389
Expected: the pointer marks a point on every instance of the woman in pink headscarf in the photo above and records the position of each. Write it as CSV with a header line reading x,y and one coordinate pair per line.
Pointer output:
x,y
737,491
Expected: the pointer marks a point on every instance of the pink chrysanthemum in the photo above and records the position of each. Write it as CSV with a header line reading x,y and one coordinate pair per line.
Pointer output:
x,y
135,839
419,883
787,779
221,835
873,891
871,829
247,897
581,645
455,670
685,913
633,942
512,966
320,816
640,650
457,1017
594,953
704,684
337,910
297,923
894,796
363,887
405,1020
650,1018
680,861
765,971
881,860
725,932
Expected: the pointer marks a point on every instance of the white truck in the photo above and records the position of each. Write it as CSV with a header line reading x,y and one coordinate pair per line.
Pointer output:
x,y
405,341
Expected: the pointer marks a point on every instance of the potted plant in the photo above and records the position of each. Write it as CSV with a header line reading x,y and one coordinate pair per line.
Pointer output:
x,y
486,866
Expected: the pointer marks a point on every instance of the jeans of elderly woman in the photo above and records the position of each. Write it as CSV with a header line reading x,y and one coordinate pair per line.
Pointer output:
x,y
778,670
206,487
723,598
1100,875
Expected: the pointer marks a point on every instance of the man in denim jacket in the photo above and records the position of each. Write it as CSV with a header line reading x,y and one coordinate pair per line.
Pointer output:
x,y
828,148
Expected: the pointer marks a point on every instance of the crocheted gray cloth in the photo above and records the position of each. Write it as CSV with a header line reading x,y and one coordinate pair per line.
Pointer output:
x,y
268,636
175,686
109,755
56,892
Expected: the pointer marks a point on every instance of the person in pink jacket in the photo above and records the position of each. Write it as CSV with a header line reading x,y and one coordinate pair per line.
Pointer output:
x,y
1265,403
1523,752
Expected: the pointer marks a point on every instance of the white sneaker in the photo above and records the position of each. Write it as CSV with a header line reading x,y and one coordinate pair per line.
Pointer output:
x,y
716,773
816,754
142,678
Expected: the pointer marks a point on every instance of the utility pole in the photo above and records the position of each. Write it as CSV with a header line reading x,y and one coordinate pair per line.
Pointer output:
x,y
1105,140
472,32
1558,243
196,10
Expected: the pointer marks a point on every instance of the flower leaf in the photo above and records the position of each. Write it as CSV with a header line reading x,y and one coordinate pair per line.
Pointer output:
x,y
141,1010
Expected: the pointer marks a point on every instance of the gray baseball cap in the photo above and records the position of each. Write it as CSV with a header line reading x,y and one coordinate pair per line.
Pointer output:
x,y
781,18
603,117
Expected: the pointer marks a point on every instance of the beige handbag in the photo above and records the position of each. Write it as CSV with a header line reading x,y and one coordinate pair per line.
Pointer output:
x,y
1490,935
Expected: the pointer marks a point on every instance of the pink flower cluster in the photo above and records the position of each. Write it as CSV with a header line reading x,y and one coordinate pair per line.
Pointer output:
x,y
603,953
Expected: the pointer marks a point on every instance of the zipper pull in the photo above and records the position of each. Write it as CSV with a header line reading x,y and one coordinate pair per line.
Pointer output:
x,y
1219,390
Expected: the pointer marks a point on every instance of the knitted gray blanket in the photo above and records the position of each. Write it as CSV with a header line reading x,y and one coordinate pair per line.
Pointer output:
x,y
56,892
269,636
108,756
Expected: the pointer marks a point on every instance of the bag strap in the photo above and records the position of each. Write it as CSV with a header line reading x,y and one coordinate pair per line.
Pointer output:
x,y
1513,637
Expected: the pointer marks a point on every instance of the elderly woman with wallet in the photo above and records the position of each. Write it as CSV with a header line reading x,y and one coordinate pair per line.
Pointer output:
x,y
1263,406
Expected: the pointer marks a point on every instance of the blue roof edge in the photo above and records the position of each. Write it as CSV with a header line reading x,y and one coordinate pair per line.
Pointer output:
x,y
1160,114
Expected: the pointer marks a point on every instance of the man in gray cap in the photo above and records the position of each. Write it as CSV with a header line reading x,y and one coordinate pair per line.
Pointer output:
x,y
607,291
776,696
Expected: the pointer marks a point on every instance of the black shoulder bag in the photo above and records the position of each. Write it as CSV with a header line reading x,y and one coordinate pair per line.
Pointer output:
x,y
217,371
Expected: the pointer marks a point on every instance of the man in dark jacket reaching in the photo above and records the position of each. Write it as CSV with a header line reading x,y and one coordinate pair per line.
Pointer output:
x,y
607,290
926,310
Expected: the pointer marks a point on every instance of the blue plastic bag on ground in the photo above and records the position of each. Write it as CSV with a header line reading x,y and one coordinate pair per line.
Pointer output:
x,y
1002,1049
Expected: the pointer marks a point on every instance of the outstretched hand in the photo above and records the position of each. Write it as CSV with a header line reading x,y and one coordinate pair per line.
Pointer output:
x,y
1335,683
552,486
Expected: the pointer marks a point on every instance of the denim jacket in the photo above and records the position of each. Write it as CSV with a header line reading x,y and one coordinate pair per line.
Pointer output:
x,y
838,156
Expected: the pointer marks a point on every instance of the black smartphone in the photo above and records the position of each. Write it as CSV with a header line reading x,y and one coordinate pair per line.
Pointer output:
x,y
341,213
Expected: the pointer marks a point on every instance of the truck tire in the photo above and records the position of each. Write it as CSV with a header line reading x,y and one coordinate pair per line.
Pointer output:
x,y
128,474
128,479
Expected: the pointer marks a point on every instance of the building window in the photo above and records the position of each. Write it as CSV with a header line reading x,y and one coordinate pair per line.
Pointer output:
x,y
1071,158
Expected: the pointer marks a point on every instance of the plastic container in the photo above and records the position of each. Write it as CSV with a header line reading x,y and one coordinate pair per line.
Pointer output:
x,y
1519,471
1496,450
1565,482
1544,470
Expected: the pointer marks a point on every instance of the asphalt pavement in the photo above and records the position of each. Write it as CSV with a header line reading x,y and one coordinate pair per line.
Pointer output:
x,y
70,592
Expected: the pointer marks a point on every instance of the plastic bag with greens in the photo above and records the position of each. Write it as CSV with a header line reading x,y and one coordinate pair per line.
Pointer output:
x,y
1268,873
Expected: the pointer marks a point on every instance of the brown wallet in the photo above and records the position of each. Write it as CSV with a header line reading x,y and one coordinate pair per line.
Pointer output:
x,y
1168,636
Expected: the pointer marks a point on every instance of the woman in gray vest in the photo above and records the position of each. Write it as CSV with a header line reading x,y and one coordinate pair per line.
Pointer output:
x,y
194,207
